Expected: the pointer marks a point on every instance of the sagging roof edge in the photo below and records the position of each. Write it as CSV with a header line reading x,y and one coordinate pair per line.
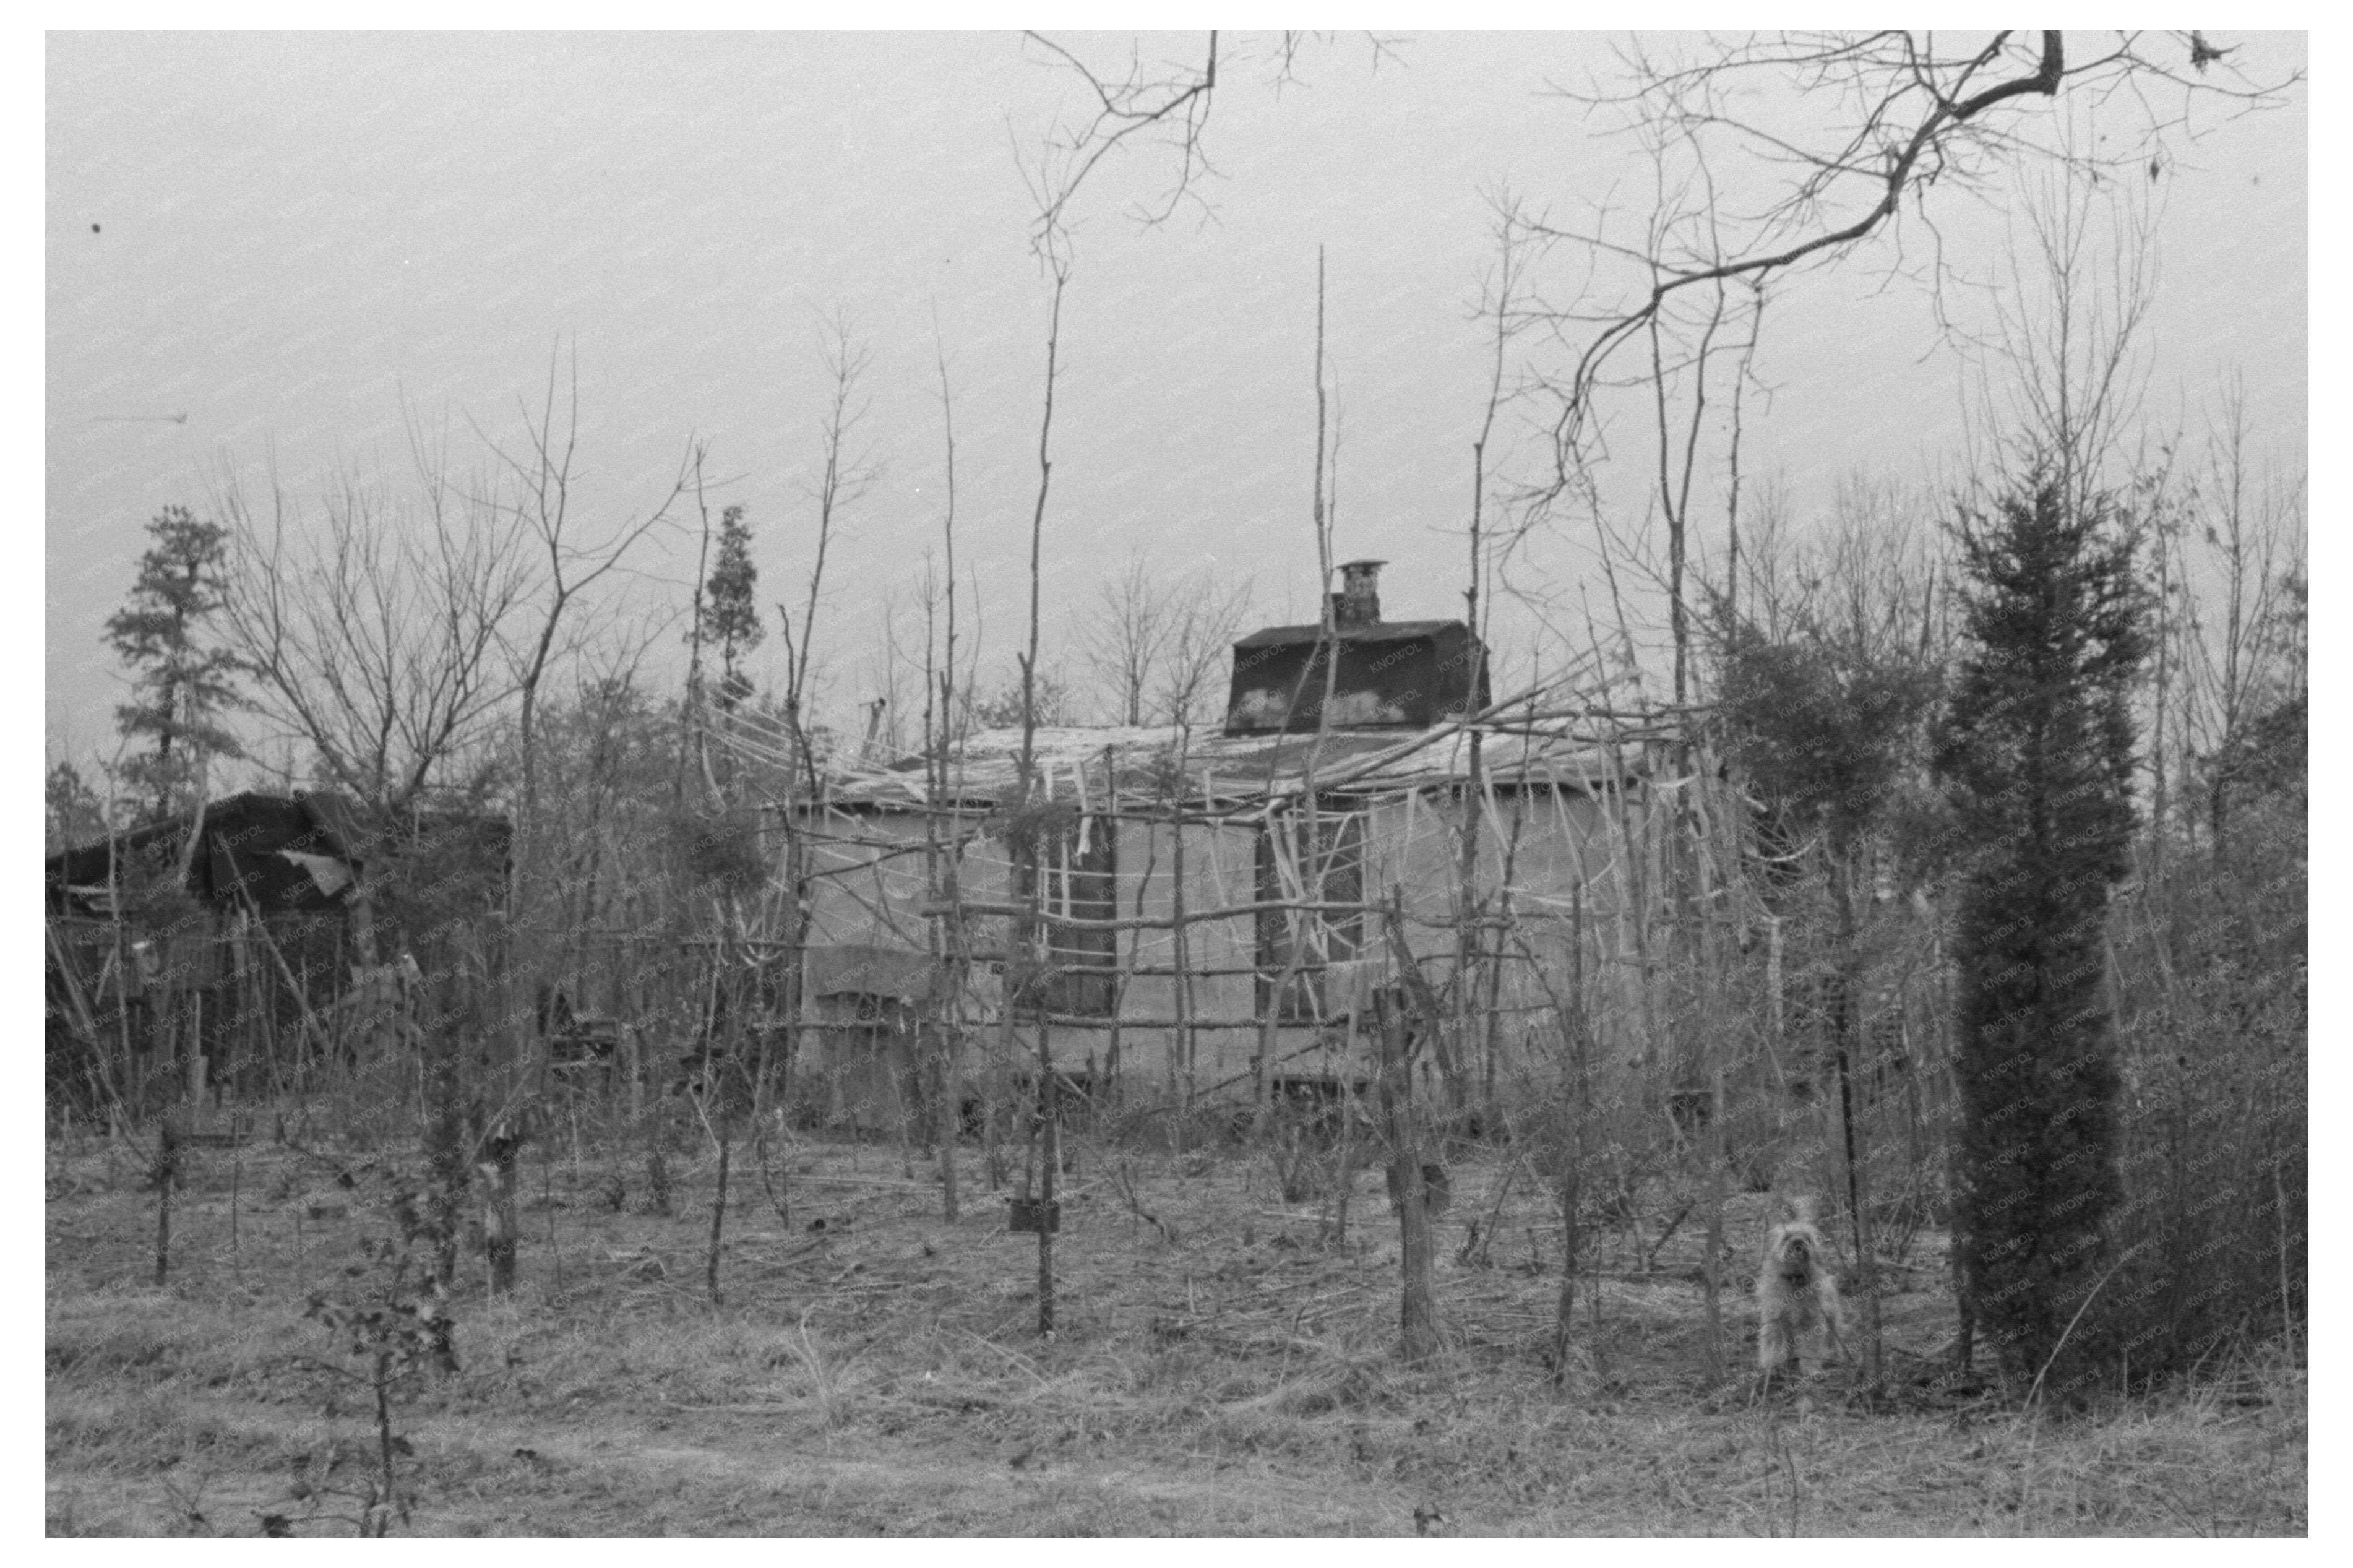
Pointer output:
x,y
1244,802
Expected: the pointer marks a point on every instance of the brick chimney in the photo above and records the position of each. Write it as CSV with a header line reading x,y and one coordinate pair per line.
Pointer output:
x,y
1358,602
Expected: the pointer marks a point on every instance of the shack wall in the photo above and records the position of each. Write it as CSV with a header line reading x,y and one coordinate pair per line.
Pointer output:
x,y
1575,863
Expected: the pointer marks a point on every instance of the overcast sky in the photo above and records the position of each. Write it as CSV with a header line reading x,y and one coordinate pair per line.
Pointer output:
x,y
289,239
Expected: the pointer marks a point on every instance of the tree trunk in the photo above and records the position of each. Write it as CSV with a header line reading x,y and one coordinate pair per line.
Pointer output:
x,y
1181,1077
1417,1306
1050,1106
502,1140
718,1203
1572,1116
774,1077
445,1144
948,1029
1467,942
167,1170
502,1231
951,1119
1843,1027
1711,1275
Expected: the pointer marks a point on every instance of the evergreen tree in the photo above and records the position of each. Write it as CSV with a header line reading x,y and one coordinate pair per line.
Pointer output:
x,y
2036,750
730,616
181,682
75,813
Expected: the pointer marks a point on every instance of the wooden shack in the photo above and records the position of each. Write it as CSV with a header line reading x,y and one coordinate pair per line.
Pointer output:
x,y
1216,906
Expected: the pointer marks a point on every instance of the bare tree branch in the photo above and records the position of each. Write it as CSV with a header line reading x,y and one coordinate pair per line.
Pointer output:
x,y
1171,108
374,635
1877,118
539,474
847,471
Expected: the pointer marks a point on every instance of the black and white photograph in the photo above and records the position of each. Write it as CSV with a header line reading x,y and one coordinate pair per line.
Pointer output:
x,y
1410,783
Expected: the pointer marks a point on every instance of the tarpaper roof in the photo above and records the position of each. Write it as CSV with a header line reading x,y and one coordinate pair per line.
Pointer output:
x,y
282,853
1226,769
1369,631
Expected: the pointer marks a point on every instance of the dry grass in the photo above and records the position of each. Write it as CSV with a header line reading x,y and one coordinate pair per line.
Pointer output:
x,y
882,1375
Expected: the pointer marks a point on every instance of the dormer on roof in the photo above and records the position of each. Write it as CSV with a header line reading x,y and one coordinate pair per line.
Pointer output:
x,y
1401,675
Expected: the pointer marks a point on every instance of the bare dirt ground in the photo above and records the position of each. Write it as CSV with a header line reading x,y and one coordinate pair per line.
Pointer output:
x,y
876,1370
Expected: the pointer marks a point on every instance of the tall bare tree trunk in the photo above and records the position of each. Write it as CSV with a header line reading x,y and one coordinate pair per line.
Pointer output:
x,y
719,1198
1180,1088
947,1030
167,1171
1417,1299
1573,1107
502,1140
441,1044
1049,1107
944,863
445,1140
1417,1306
1857,1186
1030,937
1711,1271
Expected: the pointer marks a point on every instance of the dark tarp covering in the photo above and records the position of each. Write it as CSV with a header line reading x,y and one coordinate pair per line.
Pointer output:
x,y
279,851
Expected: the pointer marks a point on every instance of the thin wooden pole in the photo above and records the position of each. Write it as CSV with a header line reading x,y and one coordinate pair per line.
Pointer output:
x,y
1181,1057
167,1171
1050,1106
1109,1088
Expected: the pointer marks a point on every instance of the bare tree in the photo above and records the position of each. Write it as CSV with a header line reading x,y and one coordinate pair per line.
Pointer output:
x,y
1134,107
1165,106
1881,118
1153,640
375,631
377,635
847,469
1500,316
943,843
1200,647
1123,634
2083,276
572,561
1774,152
1138,106
2245,666
572,557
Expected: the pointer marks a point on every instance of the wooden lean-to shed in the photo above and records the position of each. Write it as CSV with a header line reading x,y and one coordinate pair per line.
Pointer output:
x,y
229,940
176,945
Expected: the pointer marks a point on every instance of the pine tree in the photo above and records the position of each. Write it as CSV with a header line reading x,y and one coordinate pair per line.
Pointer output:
x,y
730,616
181,682
2036,750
